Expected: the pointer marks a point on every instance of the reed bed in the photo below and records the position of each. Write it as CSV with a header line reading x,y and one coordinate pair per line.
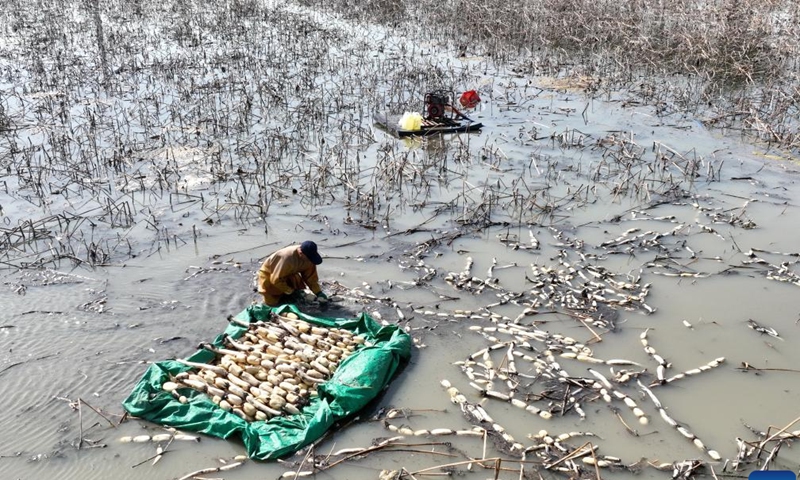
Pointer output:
x,y
733,62
120,109
221,115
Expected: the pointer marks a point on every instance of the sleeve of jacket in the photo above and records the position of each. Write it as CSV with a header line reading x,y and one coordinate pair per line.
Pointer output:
x,y
311,278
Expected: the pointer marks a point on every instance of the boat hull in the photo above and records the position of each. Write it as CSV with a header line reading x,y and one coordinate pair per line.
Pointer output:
x,y
429,127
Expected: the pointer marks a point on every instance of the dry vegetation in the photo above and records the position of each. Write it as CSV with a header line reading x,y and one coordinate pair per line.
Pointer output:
x,y
119,120
114,110
733,61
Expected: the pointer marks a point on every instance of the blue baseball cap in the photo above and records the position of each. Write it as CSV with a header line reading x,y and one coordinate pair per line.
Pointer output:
x,y
309,249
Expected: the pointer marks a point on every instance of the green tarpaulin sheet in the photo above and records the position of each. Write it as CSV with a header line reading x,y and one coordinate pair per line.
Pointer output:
x,y
358,380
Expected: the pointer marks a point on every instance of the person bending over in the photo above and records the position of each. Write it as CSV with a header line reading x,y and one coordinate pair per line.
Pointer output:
x,y
285,274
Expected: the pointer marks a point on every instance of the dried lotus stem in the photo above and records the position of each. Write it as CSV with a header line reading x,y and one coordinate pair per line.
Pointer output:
x,y
652,351
680,428
694,371
629,402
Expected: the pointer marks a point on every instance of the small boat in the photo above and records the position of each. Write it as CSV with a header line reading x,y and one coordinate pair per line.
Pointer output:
x,y
441,117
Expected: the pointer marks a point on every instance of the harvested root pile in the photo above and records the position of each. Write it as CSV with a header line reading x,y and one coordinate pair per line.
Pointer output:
x,y
273,369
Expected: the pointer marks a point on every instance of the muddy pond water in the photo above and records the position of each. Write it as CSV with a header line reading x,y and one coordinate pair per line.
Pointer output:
x,y
560,185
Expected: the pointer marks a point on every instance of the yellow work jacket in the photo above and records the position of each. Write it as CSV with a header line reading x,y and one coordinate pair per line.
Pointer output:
x,y
279,273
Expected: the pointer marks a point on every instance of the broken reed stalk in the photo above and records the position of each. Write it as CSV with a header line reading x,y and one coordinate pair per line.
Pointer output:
x,y
597,338
156,455
305,459
82,401
406,472
80,424
383,444
497,466
627,427
713,473
203,471
428,452
776,434
481,462
571,455
747,367
485,439
596,467
151,457
772,454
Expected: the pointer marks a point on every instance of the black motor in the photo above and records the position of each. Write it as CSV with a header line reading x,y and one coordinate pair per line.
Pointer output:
x,y
435,103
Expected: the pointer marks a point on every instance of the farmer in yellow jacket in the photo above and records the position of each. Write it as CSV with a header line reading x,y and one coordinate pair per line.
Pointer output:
x,y
285,274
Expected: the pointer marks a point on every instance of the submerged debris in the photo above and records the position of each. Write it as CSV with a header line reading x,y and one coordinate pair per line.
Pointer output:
x,y
762,329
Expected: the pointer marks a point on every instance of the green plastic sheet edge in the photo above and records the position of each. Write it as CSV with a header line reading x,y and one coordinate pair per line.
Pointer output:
x,y
358,380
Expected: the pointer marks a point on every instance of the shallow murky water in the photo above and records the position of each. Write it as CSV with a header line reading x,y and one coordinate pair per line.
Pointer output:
x,y
576,173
